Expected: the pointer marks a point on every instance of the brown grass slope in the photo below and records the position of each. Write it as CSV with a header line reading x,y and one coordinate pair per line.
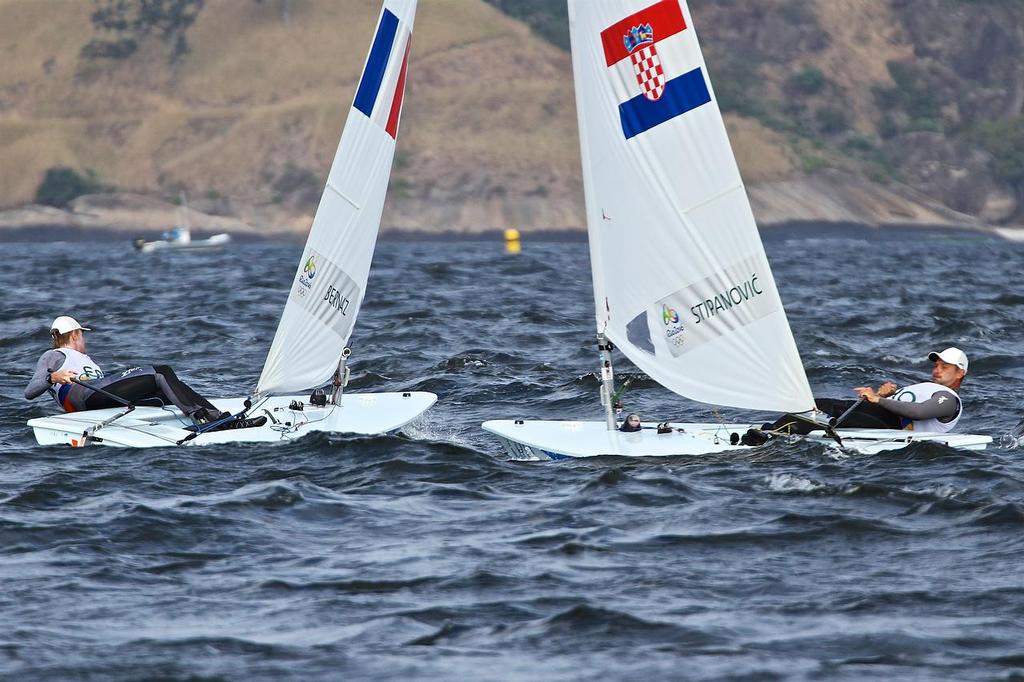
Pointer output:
x,y
248,121
255,109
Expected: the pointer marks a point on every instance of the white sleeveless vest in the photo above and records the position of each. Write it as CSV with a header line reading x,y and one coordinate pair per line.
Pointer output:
x,y
80,362
919,393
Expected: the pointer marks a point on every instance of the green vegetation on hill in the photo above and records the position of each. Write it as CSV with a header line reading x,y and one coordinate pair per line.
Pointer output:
x,y
61,186
546,18
808,81
129,23
911,105
1005,141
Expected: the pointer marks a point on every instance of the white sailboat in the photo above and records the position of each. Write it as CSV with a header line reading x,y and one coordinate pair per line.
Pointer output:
x,y
180,237
682,285
327,291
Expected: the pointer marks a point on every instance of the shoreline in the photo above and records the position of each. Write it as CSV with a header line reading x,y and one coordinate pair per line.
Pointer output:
x,y
823,229
117,217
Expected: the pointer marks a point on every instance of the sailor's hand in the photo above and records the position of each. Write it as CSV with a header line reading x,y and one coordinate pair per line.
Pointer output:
x,y
867,393
887,389
63,376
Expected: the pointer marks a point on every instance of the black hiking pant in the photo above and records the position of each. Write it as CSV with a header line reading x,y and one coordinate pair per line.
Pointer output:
x,y
866,416
155,386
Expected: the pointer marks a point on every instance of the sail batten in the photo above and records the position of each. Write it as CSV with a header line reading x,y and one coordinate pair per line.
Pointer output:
x,y
344,196
330,282
682,285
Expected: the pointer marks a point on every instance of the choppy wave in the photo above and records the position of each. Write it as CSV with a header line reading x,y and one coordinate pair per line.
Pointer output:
x,y
429,555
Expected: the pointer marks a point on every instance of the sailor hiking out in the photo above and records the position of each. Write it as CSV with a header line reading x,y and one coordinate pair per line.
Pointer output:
x,y
77,383
929,406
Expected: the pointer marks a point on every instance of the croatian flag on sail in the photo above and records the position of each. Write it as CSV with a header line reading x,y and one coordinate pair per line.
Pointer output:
x,y
379,95
655,64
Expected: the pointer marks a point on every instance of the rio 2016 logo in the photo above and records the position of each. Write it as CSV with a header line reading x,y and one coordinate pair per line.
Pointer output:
x,y
305,278
669,315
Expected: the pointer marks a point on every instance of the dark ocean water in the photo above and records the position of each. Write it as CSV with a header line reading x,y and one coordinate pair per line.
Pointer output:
x,y
429,556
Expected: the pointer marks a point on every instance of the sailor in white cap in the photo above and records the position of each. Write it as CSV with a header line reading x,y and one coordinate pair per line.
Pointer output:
x,y
69,375
930,406
933,406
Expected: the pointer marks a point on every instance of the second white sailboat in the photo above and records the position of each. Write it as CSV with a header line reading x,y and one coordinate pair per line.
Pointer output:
x,y
682,285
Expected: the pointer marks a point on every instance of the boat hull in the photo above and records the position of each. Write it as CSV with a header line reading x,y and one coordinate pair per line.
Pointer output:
x,y
545,440
555,440
217,241
358,414
871,441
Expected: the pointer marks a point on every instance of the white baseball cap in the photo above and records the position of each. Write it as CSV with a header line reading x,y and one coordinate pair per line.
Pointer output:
x,y
65,324
953,356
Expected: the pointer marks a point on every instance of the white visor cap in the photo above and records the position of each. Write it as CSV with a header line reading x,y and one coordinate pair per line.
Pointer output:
x,y
953,356
65,324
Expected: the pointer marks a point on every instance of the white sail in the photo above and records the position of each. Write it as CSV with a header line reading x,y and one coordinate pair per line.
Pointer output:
x,y
330,280
184,228
681,282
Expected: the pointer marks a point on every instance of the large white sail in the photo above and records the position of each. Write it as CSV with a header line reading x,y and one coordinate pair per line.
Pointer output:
x,y
330,280
681,282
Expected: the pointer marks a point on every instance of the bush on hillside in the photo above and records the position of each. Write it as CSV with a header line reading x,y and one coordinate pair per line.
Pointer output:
x,y
549,20
912,94
301,185
1004,140
61,186
810,81
110,49
831,120
888,128
131,21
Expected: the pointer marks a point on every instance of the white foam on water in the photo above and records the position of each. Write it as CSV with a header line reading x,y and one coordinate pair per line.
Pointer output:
x,y
790,483
428,429
942,491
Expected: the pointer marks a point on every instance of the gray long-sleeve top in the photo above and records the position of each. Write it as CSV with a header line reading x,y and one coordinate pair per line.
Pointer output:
x,y
50,361
943,406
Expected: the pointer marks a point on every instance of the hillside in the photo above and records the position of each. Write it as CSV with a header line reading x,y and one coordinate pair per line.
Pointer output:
x,y
872,111
924,93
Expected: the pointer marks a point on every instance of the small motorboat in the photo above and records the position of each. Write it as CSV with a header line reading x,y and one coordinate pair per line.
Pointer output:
x,y
180,238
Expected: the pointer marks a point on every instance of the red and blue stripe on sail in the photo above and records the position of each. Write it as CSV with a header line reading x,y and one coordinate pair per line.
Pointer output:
x,y
381,88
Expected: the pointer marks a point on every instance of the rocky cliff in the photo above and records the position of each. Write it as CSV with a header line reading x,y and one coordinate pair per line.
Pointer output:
x,y
869,111
896,91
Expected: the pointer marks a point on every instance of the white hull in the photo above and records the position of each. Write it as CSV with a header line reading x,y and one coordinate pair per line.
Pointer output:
x,y
1013,234
358,414
547,440
214,242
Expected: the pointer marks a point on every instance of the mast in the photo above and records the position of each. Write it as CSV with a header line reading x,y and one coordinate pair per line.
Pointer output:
x,y
186,222
341,376
604,348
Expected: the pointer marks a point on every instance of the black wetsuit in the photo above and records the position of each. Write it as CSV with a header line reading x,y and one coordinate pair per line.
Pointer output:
x,y
155,385
886,414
